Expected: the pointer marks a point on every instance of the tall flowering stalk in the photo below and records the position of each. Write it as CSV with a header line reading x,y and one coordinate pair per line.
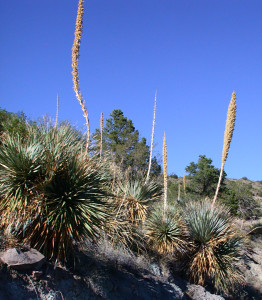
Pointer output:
x,y
179,189
184,184
75,59
230,124
152,141
57,108
101,133
165,174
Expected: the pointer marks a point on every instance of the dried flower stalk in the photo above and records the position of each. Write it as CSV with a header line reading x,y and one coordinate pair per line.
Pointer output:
x,y
57,108
152,140
179,189
184,184
101,133
165,174
230,124
75,59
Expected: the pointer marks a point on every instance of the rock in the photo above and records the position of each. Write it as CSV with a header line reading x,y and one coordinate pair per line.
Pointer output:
x,y
155,269
22,259
197,292
36,275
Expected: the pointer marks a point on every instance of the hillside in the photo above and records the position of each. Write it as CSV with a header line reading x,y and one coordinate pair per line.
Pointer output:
x,y
105,272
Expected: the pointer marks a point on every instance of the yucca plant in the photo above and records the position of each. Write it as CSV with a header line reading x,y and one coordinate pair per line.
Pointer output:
x,y
73,207
216,245
134,196
167,235
20,172
53,189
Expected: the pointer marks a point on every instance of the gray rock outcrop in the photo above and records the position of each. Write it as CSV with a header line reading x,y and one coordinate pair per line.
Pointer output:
x,y
22,259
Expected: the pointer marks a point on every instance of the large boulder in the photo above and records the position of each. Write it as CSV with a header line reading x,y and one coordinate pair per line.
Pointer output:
x,y
22,259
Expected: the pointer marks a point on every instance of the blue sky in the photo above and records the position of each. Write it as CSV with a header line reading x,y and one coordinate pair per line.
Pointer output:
x,y
194,52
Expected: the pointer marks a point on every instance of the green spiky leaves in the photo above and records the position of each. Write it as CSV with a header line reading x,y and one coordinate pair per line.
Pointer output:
x,y
215,248
53,189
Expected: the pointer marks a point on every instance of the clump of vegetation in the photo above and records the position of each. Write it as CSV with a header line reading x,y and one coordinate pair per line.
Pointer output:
x,y
203,177
167,234
216,245
240,199
57,195
136,196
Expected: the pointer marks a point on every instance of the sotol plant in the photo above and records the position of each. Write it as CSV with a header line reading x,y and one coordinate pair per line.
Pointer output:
x,y
55,192
216,245
167,235
135,196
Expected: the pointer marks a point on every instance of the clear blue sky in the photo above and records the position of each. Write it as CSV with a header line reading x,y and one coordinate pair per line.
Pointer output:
x,y
194,52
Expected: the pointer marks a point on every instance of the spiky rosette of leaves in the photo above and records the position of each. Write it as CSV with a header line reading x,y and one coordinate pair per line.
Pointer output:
x,y
135,196
167,234
62,192
20,171
73,207
215,250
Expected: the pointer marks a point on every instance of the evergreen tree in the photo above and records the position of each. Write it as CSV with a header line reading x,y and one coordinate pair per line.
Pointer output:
x,y
122,139
203,177
13,123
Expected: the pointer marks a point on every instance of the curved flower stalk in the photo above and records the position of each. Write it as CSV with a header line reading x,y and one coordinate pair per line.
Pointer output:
x,y
75,59
230,124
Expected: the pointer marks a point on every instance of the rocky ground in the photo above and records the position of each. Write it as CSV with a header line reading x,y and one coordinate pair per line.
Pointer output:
x,y
113,276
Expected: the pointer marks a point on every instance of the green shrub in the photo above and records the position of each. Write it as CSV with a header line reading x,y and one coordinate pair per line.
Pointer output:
x,y
240,199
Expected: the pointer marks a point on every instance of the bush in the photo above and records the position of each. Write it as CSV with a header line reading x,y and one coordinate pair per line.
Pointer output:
x,y
239,198
174,176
